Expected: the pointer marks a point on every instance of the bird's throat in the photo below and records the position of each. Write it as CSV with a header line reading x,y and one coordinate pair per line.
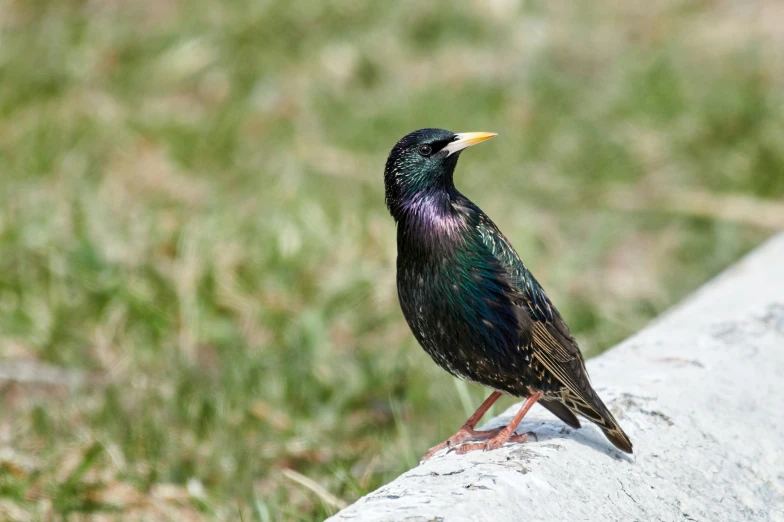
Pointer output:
x,y
430,222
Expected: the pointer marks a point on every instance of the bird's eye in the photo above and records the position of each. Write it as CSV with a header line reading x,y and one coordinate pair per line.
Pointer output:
x,y
426,150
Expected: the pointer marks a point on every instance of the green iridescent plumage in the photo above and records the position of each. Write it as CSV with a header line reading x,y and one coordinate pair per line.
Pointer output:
x,y
469,299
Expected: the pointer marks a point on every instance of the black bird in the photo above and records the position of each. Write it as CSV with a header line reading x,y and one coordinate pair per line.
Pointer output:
x,y
471,302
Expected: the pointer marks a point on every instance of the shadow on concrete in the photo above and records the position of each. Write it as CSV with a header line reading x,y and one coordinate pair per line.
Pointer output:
x,y
588,435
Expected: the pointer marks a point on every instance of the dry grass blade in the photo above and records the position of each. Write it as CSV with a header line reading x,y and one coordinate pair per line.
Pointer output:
x,y
29,372
323,494
736,208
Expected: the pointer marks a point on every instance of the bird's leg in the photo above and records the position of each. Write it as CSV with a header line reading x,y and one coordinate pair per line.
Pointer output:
x,y
467,432
506,434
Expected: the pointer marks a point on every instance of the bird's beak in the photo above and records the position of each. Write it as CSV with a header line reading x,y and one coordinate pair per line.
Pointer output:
x,y
467,139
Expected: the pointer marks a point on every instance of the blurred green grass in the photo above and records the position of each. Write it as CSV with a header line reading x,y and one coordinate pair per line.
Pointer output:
x,y
192,223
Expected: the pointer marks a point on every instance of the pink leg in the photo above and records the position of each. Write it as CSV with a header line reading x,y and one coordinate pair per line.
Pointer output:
x,y
467,432
506,434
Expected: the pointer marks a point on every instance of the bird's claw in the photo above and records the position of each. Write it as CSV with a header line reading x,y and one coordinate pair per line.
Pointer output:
x,y
454,442
494,443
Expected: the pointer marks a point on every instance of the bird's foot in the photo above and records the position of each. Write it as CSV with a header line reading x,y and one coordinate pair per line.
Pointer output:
x,y
463,434
496,442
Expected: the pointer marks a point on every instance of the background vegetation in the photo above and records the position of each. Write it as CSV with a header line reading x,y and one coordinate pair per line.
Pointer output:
x,y
198,317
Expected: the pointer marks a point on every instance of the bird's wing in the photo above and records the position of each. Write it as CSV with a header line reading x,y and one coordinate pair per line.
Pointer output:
x,y
553,344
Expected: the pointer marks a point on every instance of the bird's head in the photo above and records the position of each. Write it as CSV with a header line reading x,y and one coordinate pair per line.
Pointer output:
x,y
422,164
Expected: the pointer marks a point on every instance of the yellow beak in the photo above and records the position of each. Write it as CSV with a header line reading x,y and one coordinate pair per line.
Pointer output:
x,y
467,139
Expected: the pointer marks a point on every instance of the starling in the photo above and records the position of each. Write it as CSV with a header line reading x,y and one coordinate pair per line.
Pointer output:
x,y
471,302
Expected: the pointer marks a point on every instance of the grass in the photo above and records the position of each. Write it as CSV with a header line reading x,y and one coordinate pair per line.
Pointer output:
x,y
197,265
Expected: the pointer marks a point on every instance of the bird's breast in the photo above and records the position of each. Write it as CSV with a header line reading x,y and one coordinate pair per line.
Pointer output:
x,y
456,314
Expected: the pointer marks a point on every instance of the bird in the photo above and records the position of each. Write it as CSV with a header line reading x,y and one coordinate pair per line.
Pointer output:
x,y
471,302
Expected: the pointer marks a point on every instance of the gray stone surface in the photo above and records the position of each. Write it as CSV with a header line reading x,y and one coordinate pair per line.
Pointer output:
x,y
700,393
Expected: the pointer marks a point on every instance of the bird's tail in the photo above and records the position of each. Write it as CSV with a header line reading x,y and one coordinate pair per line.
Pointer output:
x,y
598,413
